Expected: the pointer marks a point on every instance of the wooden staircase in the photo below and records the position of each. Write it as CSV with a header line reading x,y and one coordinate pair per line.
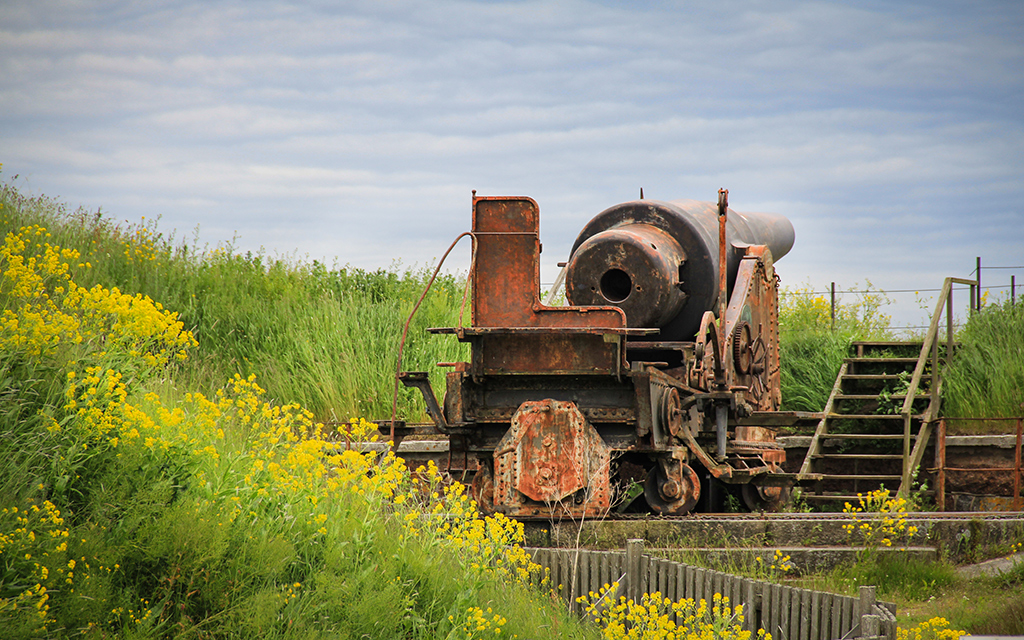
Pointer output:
x,y
864,437
856,447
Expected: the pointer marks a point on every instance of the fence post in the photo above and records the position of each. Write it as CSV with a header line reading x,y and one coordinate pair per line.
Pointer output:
x,y
865,609
870,626
634,552
833,306
979,284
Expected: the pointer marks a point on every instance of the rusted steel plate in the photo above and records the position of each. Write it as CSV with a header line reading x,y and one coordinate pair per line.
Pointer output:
x,y
506,274
551,457
549,355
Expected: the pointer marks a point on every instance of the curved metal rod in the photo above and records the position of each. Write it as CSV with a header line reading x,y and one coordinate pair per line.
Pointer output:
x,y
408,321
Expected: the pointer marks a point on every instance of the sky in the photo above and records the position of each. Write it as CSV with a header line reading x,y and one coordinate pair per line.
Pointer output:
x,y
891,134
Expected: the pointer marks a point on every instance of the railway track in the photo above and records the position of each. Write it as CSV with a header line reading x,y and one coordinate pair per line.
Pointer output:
x,y
813,540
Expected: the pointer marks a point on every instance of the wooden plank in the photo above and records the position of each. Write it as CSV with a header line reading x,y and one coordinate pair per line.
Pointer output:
x,y
749,610
777,630
605,571
825,628
805,614
634,572
848,623
784,621
582,564
837,630
663,578
645,578
540,556
654,580
814,633
734,584
567,575
584,585
556,573
795,617
674,572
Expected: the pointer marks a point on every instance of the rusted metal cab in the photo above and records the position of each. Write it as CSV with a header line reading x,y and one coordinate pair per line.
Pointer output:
x,y
566,409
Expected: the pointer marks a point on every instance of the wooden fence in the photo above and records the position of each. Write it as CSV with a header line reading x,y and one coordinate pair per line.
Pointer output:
x,y
787,613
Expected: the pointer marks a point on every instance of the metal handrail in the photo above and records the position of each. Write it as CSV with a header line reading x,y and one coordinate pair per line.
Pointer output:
x,y
929,348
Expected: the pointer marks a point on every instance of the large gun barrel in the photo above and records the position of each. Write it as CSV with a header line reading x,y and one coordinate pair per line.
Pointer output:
x,y
658,261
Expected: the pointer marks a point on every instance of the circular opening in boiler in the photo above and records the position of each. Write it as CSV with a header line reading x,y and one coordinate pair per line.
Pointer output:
x,y
616,285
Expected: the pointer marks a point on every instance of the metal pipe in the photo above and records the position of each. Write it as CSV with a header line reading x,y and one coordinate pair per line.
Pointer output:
x,y
940,466
723,275
1017,466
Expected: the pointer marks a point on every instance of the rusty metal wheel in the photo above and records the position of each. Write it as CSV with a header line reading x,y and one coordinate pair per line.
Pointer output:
x,y
764,498
742,356
758,370
672,497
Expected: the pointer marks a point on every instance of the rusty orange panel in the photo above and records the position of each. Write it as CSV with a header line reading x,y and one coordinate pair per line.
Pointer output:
x,y
506,273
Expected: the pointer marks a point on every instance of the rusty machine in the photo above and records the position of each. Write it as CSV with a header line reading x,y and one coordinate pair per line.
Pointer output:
x,y
662,371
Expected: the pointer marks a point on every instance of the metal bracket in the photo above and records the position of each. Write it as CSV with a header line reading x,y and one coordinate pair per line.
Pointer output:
x,y
419,380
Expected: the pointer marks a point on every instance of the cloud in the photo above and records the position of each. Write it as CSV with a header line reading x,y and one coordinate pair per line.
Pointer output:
x,y
888,133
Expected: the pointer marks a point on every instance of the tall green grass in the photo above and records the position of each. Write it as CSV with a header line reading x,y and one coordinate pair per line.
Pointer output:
x,y
812,349
126,513
325,337
985,377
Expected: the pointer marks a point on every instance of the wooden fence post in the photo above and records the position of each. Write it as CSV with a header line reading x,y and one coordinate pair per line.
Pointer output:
x,y
870,626
634,585
866,610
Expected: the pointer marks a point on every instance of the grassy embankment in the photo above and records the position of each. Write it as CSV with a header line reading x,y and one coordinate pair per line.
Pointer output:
x,y
140,498
134,506
325,338
986,378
